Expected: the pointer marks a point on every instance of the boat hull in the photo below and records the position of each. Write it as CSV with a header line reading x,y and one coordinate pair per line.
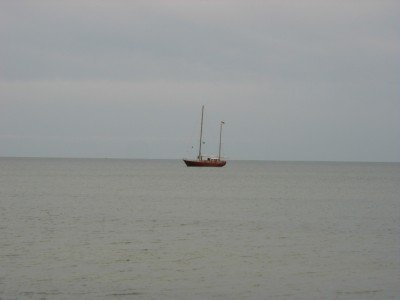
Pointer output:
x,y
204,163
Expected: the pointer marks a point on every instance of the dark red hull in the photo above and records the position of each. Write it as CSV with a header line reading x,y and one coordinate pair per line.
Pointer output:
x,y
204,163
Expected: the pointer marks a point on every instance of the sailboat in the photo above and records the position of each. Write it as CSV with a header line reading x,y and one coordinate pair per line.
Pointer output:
x,y
205,161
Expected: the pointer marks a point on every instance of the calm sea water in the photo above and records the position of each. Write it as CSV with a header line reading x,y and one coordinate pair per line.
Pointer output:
x,y
148,229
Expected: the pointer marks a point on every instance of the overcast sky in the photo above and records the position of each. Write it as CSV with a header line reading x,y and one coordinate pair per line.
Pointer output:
x,y
293,80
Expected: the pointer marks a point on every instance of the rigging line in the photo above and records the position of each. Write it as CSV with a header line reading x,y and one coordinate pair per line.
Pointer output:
x,y
191,141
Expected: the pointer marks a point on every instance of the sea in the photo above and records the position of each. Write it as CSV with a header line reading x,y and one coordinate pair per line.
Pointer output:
x,y
155,229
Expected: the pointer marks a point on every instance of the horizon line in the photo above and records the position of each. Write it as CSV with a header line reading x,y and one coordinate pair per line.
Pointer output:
x,y
144,158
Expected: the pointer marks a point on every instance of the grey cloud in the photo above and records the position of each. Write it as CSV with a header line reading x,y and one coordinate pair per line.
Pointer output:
x,y
128,41
314,80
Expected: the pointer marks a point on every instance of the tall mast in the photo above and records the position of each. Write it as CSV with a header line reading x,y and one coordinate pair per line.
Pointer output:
x,y
201,131
220,139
